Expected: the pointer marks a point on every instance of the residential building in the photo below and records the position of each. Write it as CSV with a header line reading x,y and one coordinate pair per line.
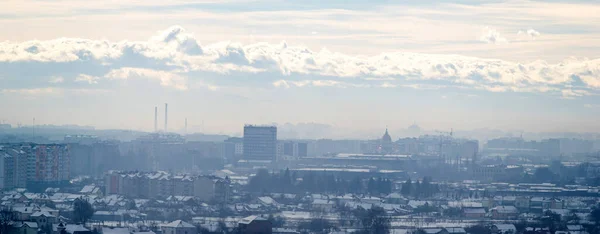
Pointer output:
x,y
35,166
7,170
162,184
504,212
504,229
178,227
260,142
48,165
474,213
254,225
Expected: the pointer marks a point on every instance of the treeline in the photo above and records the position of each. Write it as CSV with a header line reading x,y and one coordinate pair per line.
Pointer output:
x,y
286,182
419,189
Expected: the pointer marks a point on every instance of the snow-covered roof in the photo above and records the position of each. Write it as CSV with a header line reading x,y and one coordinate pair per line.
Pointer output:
x,y
178,224
505,227
42,213
506,209
267,200
250,219
71,228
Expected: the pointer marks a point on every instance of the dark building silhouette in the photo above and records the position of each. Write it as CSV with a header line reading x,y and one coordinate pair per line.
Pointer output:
x,y
386,143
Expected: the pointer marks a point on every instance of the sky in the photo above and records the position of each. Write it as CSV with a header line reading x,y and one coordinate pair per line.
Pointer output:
x,y
355,64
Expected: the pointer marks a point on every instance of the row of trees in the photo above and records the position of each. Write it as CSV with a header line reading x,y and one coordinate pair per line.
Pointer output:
x,y
371,221
286,182
419,189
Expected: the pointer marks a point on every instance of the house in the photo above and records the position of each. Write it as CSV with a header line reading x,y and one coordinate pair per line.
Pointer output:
x,y
505,212
178,227
504,229
76,229
91,190
23,212
432,231
396,198
522,203
267,201
254,225
474,213
323,205
115,231
25,227
575,228
456,230
43,218
552,203
284,231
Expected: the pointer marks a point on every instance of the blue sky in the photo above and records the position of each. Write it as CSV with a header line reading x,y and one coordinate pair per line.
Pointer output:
x,y
356,65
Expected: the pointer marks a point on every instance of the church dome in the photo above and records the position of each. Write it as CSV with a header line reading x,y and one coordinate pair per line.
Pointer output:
x,y
386,137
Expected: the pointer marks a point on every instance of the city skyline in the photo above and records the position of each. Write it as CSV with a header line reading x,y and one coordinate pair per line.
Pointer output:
x,y
335,64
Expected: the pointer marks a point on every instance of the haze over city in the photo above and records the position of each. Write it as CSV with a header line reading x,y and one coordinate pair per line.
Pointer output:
x,y
299,117
357,65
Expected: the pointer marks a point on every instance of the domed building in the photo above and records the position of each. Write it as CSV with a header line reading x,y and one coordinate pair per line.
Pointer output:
x,y
386,143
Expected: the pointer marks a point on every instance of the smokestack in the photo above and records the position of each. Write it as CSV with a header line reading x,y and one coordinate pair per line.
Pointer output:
x,y
155,119
185,129
166,115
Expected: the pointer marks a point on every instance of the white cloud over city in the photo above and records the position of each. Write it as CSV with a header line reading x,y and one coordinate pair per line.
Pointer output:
x,y
172,56
318,54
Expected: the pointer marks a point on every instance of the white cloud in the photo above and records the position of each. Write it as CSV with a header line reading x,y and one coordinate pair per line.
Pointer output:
x,y
166,79
87,78
591,106
56,80
491,36
32,92
173,56
281,83
530,32
571,94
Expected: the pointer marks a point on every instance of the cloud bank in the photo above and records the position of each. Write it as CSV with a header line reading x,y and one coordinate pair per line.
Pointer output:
x,y
175,59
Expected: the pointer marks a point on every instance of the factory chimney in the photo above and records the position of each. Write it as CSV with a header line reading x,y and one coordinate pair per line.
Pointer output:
x,y
166,115
155,119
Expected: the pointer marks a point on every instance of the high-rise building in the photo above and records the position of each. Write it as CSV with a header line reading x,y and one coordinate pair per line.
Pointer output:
x,y
7,168
260,142
49,165
35,166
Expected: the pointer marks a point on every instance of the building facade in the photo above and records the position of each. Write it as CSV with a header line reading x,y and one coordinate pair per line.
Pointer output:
x,y
260,142
35,166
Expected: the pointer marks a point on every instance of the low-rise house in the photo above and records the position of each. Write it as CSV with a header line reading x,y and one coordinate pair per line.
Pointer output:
x,y
431,230
396,198
23,212
91,190
474,213
504,212
254,225
323,205
552,203
522,203
25,227
115,230
575,228
43,218
267,201
76,229
178,227
456,230
371,200
504,229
